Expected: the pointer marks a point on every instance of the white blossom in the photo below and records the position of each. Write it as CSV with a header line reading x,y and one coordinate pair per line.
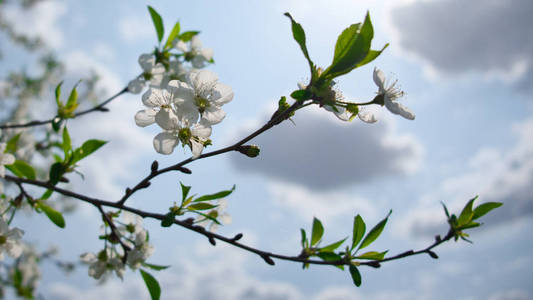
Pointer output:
x,y
153,73
202,90
5,159
390,93
10,240
194,136
28,267
141,251
105,261
219,213
194,52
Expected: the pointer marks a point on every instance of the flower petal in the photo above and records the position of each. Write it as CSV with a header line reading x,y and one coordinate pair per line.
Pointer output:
x,y
367,117
379,79
202,79
165,142
181,92
155,97
213,115
201,130
7,159
396,108
136,85
166,119
222,94
196,148
145,117
147,62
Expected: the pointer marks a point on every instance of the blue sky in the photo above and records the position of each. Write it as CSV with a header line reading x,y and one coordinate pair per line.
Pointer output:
x,y
466,68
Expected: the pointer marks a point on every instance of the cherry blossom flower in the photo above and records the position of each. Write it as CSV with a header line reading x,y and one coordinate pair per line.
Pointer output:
x,y
202,89
10,240
105,261
141,252
194,53
390,93
5,159
219,213
152,72
179,130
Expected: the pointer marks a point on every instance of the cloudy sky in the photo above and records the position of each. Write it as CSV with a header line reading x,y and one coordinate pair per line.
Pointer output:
x,y
467,70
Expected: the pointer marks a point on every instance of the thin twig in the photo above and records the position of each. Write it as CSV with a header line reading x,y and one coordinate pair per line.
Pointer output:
x,y
99,107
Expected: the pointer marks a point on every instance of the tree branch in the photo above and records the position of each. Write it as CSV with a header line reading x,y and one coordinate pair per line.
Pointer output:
x,y
99,107
267,256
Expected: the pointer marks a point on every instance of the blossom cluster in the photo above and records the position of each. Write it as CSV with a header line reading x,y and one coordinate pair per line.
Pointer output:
x,y
387,95
134,236
182,100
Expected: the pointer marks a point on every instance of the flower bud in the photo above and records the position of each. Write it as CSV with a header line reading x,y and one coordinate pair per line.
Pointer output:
x,y
249,150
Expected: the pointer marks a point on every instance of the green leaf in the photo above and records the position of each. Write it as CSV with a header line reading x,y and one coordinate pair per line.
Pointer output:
x,y
304,238
58,94
372,54
87,149
11,145
155,267
317,232
374,233
206,216
301,95
359,229
67,143
46,194
466,215
484,208
218,195
173,35
201,206
22,169
356,276
374,255
332,246
188,35
445,210
73,98
353,46
57,170
298,34
158,23
469,225
151,283
331,256
52,214
168,220
184,191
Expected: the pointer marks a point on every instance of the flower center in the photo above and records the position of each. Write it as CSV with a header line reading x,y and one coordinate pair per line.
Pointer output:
x,y
147,75
184,135
202,103
130,228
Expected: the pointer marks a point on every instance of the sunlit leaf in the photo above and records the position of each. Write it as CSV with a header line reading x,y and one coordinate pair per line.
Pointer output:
x,y
158,23
317,231
151,283
374,233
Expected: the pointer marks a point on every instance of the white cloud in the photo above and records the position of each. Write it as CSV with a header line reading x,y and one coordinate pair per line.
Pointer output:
x,y
502,176
127,142
510,295
454,36
326,204
40,20
322,152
